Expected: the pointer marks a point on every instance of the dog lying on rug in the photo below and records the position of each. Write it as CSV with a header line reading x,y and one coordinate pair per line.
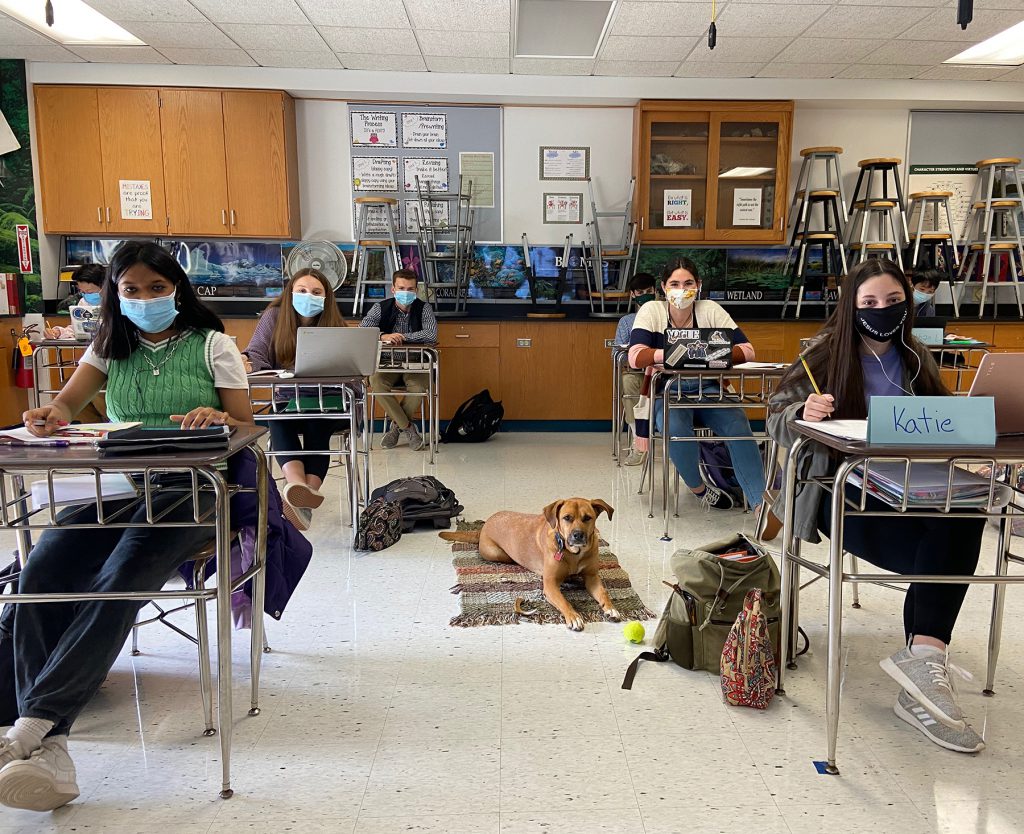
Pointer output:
x,y
560,542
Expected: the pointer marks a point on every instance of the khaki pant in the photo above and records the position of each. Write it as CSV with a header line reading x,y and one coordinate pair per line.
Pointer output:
x,y
629,387
401,413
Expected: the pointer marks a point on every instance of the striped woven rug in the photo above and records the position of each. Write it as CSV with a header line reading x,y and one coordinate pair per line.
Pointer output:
x,y
488,590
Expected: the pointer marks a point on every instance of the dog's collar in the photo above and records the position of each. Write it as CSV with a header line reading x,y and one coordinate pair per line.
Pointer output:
x,y
560,543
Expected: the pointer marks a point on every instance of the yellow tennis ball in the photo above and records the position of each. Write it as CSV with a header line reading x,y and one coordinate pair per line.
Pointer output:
x,y
633,632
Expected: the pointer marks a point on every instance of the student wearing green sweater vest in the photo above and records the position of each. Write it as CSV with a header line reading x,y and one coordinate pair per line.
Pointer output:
x,y
164,360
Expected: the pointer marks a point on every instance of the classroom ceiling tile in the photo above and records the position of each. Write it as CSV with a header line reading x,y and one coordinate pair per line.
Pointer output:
x,y
766,19
119,54
552,66
961,73
170,10
1011,5
653,69
265,11
374,14
208,57
904,3
383,62
722,69
878,71
623,48
462,44
941,25
14,33
661,19
295,58
251,36
460,15
37,52
732,49
364,41
1015,76
484,66
913,52
185,35
875,23
781,70
813,50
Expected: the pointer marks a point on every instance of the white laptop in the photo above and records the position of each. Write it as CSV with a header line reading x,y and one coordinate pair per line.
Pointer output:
x,y
336,351
1001,375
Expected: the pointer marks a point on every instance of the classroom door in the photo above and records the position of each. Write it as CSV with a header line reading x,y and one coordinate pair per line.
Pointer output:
x,y
131,149
195,171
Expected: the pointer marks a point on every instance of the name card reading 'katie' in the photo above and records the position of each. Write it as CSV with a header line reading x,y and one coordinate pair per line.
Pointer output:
x,y
932,421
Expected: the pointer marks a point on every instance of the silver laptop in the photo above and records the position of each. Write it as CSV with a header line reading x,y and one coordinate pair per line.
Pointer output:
x,y
336,351
1001,375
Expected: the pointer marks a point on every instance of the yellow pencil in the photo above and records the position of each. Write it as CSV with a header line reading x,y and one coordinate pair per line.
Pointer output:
x,y
810,376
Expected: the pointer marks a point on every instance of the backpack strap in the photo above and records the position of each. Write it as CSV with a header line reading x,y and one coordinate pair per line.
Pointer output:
x,y
659,656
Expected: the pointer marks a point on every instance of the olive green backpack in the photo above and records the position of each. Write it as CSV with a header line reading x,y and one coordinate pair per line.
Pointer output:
x,y
706,598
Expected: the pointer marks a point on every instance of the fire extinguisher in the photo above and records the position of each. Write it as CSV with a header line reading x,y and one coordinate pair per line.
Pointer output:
x,y
22,361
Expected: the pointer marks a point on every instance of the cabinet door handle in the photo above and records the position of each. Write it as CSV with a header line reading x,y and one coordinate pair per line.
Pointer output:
x,y
224,217
461,335
641,222
233,223
99,214
108,214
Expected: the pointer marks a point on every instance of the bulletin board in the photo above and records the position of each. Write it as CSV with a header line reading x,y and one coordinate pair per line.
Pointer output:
x,y
390,144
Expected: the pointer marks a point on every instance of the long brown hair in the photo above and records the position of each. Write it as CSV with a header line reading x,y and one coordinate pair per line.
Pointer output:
x,y
834,355
288,320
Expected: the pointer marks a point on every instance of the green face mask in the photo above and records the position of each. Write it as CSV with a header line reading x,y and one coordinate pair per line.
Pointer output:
x,y
641,300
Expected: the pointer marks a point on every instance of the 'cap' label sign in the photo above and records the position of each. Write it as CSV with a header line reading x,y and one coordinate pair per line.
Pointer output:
x,y
24,249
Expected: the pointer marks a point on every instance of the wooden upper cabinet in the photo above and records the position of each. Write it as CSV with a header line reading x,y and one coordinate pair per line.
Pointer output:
x,y
712,171
129,120
259,130
68,133
195,170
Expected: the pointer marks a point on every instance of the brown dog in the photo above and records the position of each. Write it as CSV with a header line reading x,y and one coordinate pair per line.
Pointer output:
x,y
559,543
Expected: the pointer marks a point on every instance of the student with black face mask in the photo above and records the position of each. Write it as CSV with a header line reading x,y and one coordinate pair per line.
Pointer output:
x,y
865,350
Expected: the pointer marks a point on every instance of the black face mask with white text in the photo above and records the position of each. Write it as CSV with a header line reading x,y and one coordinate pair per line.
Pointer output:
x,y
881,323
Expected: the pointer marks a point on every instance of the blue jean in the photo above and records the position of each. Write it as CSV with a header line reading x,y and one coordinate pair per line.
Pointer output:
x,y
724,422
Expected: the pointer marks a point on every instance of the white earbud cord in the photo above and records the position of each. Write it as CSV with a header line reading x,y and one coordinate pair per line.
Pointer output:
x,y
878,359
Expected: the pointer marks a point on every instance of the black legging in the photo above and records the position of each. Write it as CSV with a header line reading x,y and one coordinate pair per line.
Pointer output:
x,y
921,545
316,436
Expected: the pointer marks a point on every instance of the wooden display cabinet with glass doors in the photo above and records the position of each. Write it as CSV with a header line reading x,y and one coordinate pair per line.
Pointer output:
x,y
712,171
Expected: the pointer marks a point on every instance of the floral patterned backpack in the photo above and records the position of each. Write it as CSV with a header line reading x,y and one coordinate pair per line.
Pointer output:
x,y
748,661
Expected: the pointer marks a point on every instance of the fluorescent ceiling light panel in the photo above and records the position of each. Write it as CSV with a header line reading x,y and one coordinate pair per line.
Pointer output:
x,y
742,173
73,22
561,28
1004,50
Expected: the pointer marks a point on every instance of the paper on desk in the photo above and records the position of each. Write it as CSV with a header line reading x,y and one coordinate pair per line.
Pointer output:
x,y
846,429
759,366
81,489
78,434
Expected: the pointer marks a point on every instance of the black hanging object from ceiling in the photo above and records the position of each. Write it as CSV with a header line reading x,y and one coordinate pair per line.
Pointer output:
x,y
49,13
964,12
712,29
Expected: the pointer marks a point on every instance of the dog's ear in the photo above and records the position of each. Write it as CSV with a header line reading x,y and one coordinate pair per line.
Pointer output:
x,y
598,504
551,513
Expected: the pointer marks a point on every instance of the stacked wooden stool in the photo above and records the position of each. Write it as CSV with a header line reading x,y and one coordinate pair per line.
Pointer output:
x,y
366,244
875,210
936,242
992,229
817,216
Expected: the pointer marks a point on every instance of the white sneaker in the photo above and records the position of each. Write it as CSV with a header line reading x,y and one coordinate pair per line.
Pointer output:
x,y
925,676
42,782
634,458
10,750
912,711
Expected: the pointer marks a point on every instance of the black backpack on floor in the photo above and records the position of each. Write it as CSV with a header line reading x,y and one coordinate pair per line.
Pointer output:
x,y
475,420
423,498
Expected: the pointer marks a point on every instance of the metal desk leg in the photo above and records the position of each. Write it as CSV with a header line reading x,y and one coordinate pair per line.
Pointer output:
x,y
203,639
259,581
995,631
835,613
786,567
616,427
666,439
224,706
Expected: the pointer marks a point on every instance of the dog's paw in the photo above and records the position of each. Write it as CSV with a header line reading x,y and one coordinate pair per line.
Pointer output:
x,y
574,622
612,614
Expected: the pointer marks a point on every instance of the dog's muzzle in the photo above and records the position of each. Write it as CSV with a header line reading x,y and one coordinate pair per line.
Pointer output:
x,y
577,538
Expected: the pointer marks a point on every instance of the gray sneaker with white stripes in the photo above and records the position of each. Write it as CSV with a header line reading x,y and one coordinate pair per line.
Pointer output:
x,y
963,740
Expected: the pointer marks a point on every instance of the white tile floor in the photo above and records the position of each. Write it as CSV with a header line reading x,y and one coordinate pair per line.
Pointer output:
x,y
378,717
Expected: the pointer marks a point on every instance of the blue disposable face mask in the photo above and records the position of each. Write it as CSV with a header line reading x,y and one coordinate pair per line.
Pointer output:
x,y
307,305
405,297
922,297
92,298
150,316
